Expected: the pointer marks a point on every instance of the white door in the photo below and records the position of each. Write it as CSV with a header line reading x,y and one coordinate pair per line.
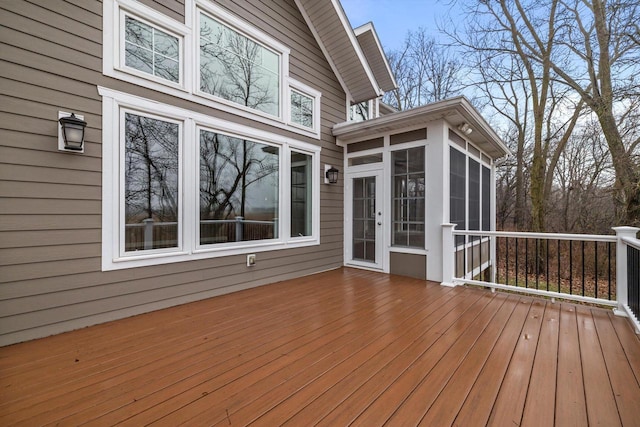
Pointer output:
x,y
364,219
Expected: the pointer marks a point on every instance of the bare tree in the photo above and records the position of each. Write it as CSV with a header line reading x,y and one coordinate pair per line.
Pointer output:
x,y
425,72
586,45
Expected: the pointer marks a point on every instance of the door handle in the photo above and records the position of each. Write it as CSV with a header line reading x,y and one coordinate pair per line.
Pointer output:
x,y
379,223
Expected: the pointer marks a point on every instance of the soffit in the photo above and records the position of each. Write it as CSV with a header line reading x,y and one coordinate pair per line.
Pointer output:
x,y
372,49
333,32
455,111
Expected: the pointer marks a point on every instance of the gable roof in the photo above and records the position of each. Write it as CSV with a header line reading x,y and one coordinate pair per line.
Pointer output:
x,y
370,45
331,28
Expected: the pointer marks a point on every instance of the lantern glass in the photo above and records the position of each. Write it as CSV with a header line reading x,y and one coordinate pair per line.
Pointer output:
x,y
332,175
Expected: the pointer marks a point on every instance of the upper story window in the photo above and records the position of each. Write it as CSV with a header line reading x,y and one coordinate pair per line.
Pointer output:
x,y
214,59
236,68
150,50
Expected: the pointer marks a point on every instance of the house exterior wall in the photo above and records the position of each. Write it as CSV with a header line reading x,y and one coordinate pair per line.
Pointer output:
x,y
50,234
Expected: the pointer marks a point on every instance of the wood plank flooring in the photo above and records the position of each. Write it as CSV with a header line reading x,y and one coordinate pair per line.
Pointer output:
x,y
345,347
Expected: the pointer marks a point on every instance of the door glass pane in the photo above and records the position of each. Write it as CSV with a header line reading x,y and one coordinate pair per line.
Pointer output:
x,y
364,219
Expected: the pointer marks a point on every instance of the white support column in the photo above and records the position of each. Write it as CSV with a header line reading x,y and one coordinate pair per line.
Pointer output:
x,y
621,267
448,255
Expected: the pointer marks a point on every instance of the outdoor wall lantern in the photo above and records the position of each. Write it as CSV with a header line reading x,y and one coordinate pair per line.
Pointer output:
x,y
71,132
330,174
465,128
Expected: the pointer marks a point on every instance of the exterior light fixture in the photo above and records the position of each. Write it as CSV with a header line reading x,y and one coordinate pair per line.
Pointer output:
x,y
465,128
330,174
71,132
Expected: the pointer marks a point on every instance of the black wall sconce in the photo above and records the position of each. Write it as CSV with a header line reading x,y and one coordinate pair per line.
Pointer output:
x,y
71,132
330,174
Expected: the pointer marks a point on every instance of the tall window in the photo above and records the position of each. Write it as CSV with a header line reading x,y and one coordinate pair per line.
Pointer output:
x,y
486,198
457,189
474,195
408,195
151,187
301,197
150,50
236,68
238,189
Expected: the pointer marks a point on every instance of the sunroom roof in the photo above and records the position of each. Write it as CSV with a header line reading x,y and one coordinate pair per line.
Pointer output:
x,y
455,111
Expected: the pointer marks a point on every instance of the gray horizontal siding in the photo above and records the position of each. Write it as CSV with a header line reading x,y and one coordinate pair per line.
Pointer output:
x,y
50,202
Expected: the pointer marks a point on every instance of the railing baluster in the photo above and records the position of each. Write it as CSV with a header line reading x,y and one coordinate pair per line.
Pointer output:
x,y
547,262
517,261
595,261
558,257
570,267
526,263
583,284
609,272
537,262
506,265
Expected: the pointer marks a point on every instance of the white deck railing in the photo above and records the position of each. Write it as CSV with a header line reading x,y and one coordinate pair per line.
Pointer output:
x,y
596,269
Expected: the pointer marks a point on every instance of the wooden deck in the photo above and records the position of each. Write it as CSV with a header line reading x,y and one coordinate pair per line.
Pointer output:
x,y
337,348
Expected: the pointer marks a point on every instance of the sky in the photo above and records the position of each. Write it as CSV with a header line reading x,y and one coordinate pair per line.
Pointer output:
x,y
394,18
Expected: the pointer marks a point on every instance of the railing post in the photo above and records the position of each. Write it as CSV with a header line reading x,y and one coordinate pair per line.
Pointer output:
x,y
621,267
448,255
239,228
148,233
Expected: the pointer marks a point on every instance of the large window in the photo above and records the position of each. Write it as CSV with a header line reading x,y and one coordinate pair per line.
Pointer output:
x,y
151,184
236,68
179,185
239,182
474,195
150,50
408,194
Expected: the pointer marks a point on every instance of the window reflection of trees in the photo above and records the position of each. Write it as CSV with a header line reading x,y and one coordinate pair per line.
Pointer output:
x,y
301,109
152,51
151,180
238,69
238,181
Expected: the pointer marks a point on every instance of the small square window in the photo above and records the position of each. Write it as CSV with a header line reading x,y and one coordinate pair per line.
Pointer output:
x,y
150,50
301,109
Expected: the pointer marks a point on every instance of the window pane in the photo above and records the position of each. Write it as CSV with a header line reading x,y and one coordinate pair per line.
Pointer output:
x,y
239,183
301,109
486,198
474,195
408,197
359,112
151,50
457,188
138,33
151,183
301,207
238,69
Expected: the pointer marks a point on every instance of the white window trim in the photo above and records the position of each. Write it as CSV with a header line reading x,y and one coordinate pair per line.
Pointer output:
x,y
114,103
188,34
305,90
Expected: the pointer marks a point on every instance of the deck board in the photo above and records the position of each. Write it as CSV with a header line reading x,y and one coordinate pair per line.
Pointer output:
x,y
345,347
